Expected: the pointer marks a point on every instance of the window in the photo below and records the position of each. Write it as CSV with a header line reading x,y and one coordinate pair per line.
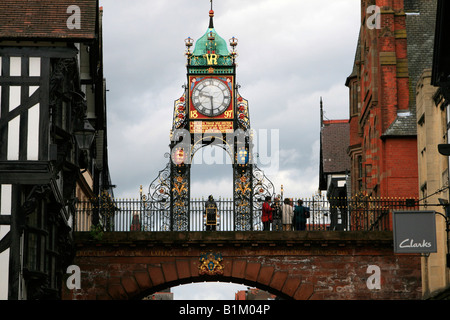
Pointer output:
x,y
354,98
41,255
360,174
35,240
423,191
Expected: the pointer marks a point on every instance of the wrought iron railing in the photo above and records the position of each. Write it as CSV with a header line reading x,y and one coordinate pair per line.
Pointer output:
x,y
122,215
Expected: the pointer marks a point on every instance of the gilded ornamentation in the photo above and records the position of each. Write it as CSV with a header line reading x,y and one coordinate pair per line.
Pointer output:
x,y
180,112
242,197
242,188
180,199
210,264
179,188
243,116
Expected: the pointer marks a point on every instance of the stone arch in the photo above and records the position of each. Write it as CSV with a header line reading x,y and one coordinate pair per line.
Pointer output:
x,y
202,279
140,280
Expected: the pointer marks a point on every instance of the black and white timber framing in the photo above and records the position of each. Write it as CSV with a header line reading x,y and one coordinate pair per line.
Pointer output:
x,y
34,181
43,100
51,84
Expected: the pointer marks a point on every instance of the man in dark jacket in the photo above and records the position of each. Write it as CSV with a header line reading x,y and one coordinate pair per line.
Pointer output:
x,y
277,224
301,214
211,214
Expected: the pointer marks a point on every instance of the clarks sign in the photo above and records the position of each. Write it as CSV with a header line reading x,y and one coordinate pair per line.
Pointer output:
x,y
414,232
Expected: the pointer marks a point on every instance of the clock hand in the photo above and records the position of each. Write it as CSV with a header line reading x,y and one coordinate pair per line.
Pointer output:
x,y
201,94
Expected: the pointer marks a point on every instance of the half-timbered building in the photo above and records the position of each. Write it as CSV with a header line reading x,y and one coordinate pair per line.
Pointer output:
x,y
52,137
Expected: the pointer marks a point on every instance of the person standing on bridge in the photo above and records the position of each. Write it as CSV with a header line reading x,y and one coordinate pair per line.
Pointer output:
x,y
301,214
286,214
211,214
277,225
266,217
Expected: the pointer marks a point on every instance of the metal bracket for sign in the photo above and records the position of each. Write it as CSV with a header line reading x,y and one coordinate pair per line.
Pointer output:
x,y
446,204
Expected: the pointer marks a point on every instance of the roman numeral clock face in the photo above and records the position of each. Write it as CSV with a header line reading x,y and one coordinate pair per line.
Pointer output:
x,y
211,97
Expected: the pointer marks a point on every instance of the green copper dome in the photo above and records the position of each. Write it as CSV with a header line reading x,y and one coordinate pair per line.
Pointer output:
x,y
204,44
210,50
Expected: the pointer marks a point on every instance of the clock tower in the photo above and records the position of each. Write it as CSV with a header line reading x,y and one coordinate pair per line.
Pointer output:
x,y
210,112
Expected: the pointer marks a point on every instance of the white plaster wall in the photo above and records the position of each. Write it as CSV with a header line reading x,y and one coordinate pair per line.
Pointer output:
x,y
5,209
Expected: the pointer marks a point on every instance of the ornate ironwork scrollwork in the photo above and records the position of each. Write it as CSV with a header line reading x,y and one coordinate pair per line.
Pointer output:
x,y
157,203
262,188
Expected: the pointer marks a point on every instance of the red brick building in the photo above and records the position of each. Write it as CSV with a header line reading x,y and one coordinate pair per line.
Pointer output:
x,y
394,46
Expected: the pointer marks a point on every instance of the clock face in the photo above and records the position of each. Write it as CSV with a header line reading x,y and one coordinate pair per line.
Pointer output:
x,y
211,97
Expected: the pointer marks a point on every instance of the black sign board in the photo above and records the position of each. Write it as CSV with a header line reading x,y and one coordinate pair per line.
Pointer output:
x,y
414,232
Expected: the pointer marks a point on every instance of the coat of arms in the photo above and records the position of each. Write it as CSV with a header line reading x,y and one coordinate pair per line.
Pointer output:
x,y
210,264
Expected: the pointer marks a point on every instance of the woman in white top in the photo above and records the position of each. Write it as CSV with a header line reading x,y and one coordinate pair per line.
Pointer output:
x,y
287,214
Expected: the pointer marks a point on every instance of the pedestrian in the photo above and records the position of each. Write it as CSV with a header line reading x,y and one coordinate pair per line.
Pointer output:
x,y
301,214
266,217
135,223
210,214
286,215
277,225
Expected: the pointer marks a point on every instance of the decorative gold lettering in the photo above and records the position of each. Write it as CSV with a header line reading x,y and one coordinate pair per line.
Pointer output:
x,y
194,114
228,114
211,58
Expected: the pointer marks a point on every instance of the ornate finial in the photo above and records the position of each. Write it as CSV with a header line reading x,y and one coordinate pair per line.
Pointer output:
x,y
233,44
211,16
188,42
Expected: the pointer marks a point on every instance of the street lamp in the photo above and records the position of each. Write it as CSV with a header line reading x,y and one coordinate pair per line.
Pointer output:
x,y
233,44
189,42
444,149
85,135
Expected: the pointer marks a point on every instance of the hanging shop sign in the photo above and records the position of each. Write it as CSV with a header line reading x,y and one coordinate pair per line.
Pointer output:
x,y
414,232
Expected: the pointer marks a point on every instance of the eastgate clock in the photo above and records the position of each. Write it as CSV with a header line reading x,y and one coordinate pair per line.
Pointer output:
x,y
211,97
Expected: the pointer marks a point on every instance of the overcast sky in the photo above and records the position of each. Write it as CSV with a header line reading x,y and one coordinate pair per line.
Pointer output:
x,y
291,53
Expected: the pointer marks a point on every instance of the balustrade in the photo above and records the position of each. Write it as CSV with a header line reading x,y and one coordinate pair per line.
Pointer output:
x,y
123,215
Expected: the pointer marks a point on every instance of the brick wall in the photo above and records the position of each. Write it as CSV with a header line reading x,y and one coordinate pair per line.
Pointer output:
x,y
292,265
390,62
401,167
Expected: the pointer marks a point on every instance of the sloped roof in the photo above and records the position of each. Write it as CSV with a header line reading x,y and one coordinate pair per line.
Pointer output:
x,y
335,140
46,19
403,125
356,61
